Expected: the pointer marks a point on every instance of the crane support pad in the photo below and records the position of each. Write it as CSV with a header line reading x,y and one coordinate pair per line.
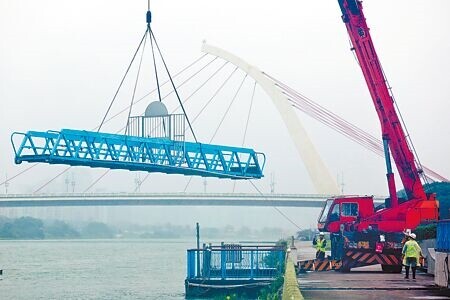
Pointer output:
x,y
319,265
114,151
358,258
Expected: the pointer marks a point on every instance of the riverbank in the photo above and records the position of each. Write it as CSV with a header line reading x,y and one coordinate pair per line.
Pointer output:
x,y
28,228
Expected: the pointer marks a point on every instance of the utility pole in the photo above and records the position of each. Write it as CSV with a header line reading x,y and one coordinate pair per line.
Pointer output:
x,y
272,183
6,184
73,183
137,182
67,182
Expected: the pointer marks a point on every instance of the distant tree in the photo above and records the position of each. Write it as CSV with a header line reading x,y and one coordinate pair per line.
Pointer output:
x,y
23,228
97,230
442,190
60,229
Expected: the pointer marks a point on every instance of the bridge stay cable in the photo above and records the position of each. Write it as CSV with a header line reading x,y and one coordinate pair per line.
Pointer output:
x,y
52,179
340,125
246,123
96,181
225,114
228,108
274,207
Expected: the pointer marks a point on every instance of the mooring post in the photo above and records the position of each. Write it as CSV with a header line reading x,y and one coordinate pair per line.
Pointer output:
x,y
198,250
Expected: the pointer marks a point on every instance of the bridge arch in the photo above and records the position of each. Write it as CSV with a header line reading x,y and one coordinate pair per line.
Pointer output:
x,y
322,180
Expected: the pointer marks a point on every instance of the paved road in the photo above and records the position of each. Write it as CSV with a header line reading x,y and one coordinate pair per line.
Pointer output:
x,y
364,283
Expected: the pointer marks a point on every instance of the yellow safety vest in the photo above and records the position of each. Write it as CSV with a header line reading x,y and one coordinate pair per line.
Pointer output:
x,y
411,249
320,245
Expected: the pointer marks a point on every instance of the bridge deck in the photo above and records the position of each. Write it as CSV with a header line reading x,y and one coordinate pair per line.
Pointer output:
x,y
164,199
114,151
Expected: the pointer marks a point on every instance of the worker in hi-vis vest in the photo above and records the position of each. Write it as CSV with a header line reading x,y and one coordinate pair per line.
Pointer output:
x,y
411,254
320,244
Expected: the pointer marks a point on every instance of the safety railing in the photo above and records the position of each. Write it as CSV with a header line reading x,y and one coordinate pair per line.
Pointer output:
x,y
235,262
114,151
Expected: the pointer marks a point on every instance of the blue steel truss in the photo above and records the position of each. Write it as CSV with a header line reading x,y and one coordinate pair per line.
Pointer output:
x,y
114,151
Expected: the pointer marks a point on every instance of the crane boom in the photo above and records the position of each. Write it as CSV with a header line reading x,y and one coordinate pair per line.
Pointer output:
x,y
393,135
362,234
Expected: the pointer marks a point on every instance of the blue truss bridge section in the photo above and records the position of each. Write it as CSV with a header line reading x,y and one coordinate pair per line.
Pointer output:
x,y
114,151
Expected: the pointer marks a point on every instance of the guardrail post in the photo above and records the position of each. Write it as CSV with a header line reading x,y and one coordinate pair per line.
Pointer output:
x,y
251,264
280,259
223,263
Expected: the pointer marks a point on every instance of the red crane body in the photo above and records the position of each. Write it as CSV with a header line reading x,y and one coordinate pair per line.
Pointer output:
x,y
392,131
418,207
354,219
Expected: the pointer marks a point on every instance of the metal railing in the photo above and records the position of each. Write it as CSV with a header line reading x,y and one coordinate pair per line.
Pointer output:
x,y
171,127
235,262
114,151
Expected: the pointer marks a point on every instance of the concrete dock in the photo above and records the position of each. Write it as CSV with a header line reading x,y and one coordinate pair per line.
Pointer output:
x,y
364,283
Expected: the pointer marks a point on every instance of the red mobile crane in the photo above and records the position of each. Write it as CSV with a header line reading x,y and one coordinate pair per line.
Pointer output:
x,y
360,233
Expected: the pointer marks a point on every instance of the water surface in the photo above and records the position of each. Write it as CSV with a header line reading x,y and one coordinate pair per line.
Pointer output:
x,y
93,269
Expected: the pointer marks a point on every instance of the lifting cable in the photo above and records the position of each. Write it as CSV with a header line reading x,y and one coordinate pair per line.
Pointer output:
x,y
117,114
186,99
164,83
173,84
154,63
195,118
193,93
121,82
205,106
135,86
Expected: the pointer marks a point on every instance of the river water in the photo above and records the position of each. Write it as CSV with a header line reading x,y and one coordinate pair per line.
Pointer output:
x,y
93,269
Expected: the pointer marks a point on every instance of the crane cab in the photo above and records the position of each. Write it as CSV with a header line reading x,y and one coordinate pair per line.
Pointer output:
x,y
346,211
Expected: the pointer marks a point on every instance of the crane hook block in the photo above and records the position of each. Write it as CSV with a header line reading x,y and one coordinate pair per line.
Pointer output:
x,y
149,17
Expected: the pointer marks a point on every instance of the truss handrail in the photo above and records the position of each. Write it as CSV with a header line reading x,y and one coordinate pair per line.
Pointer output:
x,y
114,151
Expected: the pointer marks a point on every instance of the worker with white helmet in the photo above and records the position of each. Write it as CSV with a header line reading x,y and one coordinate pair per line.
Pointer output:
x,y
411,254
320,244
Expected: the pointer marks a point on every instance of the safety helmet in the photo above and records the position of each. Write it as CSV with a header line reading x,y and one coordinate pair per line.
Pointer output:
x,y
321,233
413,236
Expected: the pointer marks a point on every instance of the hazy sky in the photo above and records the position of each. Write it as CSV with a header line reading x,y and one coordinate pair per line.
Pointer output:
x,y
61,61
